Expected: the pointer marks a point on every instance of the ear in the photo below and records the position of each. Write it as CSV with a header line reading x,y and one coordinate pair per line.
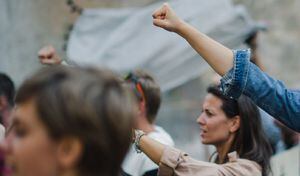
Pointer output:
x,y
69,152
235,123
142,107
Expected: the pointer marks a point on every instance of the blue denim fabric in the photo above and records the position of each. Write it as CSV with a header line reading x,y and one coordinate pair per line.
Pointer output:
x,y
269,94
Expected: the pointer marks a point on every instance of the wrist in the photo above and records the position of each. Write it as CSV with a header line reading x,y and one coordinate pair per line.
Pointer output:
x,y
138,134
181,27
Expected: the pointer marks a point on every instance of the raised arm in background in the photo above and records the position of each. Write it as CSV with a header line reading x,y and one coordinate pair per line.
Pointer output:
x,y
48,56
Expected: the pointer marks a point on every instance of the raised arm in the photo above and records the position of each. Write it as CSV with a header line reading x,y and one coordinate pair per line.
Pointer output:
x,y
242,78
216,55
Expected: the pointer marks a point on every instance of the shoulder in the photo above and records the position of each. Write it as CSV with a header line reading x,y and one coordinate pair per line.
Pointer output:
x,y
239,166
243,167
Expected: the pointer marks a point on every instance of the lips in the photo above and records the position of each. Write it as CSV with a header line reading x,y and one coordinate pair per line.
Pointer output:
x,y
203,130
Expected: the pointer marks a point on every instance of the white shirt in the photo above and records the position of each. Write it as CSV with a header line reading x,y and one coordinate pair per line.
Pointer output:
x,y
2,132
137,164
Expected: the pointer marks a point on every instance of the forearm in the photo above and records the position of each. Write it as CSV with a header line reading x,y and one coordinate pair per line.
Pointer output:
x,y
216,55
152,148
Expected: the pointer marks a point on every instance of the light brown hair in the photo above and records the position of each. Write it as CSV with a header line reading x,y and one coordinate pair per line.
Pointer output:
x,y
88,104
151,91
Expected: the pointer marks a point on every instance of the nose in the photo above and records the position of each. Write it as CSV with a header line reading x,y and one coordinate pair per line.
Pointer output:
x,y
201,119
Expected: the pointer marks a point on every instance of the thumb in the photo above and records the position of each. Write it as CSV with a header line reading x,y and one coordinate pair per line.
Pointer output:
x,y
46,52
160,23
47,61
53,61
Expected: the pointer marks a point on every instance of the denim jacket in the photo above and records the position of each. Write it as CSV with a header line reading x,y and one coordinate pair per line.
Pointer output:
x,y
268,93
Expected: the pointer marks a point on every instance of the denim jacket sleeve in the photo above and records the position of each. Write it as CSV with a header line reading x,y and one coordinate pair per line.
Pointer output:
x,y
268,93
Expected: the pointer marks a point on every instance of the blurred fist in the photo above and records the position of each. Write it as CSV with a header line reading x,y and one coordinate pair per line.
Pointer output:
x,y
166,18
47,55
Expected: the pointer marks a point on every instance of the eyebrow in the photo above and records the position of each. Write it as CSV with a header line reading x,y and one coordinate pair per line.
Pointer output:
x,y
210,109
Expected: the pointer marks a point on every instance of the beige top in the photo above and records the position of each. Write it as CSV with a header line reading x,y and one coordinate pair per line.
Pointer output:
x,y
177,163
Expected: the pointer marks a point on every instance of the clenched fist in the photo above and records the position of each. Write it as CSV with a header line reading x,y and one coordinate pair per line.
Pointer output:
x,y
166,18
48,56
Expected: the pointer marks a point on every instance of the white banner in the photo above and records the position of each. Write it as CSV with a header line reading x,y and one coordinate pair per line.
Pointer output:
x,y
125,39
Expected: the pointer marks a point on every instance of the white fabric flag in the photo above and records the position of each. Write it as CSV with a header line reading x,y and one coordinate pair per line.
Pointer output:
x,y
125,39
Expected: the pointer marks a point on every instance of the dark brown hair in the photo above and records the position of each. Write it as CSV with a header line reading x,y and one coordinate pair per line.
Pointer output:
x,y
250,141
7,88
87,104
151,91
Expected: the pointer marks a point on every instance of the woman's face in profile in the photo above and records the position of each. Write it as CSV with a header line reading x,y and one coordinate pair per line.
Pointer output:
x,y
214,125
29,151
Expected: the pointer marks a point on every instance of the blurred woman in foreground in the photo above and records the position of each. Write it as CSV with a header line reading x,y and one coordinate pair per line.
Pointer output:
x,y
69,122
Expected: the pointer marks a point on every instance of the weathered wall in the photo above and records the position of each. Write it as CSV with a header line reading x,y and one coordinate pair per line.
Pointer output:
x,y
27,25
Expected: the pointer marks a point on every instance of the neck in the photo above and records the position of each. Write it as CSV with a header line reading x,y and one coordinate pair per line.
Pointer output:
x,y
70,173
223,149
144,125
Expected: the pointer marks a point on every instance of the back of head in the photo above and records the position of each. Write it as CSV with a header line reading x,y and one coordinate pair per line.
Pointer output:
x,y
88,104
7,88
250,141
289,137
150,89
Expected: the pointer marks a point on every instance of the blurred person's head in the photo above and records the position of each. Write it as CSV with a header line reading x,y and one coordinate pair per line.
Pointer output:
x,y
147,92
70,121
234,125
7,93
252,42
289,137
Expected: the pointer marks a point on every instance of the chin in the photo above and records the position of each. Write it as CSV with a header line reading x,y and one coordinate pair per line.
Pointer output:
x,y
203,141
